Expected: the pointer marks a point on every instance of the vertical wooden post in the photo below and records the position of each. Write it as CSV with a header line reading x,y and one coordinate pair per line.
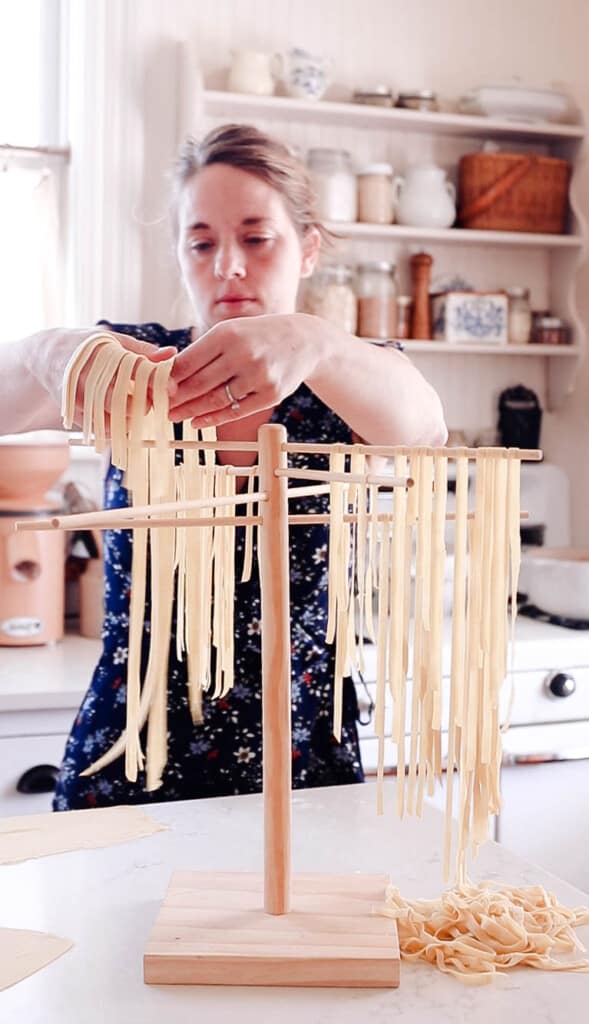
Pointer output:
x,y
273,559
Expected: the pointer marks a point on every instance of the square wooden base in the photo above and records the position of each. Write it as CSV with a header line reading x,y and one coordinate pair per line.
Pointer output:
x,y
212,930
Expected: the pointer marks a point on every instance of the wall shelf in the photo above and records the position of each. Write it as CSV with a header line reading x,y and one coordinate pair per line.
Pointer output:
x,y
361,115
453,236
554,259
446,348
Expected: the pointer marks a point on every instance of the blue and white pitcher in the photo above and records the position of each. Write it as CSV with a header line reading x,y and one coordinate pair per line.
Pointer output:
x,y
303,74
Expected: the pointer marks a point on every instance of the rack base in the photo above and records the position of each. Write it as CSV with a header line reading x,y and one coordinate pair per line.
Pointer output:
x,y
211,930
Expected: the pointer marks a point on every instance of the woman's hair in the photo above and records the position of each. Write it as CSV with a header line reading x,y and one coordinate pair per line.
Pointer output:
x,y
247,148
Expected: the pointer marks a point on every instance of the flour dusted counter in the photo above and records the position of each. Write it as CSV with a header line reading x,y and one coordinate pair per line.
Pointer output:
x,y
41,689
105,902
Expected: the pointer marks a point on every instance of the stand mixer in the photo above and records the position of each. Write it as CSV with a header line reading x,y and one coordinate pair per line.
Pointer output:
x,y
31,564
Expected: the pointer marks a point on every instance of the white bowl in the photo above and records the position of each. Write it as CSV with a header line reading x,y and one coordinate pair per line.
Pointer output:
x,y
556,580
518,103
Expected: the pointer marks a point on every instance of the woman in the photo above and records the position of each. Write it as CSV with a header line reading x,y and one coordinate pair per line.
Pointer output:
x,y
246,234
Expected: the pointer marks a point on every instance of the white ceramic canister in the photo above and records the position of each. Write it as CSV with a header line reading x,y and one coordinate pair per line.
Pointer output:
x,y
252,72
375,194
424,198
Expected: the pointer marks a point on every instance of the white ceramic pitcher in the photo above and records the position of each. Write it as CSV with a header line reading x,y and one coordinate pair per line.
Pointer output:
x,y
424,198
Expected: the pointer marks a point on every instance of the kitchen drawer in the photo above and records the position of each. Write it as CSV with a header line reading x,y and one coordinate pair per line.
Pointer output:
x,y
47,722
17,754
533,702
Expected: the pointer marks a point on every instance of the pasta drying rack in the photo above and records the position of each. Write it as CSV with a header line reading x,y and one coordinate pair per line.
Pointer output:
x,y
271,929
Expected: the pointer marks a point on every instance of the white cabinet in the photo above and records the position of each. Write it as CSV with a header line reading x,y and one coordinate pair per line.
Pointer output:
x,y
18,754
41,689
545,263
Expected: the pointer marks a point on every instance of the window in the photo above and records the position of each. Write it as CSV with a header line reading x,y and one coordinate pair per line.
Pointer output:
x,y
32,166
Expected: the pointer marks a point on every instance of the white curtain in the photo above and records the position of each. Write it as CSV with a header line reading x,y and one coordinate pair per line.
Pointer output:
x,y
30,274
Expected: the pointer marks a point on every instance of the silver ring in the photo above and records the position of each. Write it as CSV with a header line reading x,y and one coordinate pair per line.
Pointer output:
x,y
234,404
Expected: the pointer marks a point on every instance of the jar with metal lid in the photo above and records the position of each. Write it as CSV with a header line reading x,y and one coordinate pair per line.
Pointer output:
x,y
334,183
330,294
519,316
418,99
550,330
375,194
377,299
404,310
380,96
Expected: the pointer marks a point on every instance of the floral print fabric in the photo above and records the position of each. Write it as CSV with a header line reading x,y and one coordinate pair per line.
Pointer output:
x,y
223,755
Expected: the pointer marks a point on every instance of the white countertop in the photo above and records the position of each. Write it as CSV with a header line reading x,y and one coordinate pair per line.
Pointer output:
x,y
106,900
57,676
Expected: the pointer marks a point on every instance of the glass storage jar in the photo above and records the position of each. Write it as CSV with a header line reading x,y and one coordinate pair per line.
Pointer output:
x,y
334,184
404,308
519,316
377,299
551,330
375,194
330,294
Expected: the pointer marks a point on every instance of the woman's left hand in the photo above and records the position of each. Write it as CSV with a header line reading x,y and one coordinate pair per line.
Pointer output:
x,y
243,365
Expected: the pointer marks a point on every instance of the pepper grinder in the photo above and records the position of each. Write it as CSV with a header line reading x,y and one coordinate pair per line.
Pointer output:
x,y
421,267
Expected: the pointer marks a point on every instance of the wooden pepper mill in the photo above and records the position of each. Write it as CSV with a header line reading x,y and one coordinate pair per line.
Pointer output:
x,y
421,266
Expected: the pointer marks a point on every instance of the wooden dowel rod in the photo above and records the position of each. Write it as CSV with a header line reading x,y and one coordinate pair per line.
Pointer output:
x,y
346,478
220,446
125,515
143,523
307,492
305,518
276,700
529,454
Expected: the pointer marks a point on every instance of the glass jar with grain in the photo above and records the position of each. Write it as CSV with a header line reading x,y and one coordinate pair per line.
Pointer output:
x,y
375,194
330,294
376,289
519,316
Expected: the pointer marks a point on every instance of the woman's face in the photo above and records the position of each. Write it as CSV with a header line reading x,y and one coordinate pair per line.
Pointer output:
x,y
238,249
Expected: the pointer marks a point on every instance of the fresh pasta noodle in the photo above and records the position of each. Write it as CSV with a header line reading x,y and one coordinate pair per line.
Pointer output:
x,y
477,932
181,561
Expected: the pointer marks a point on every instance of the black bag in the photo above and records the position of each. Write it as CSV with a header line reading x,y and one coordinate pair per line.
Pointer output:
x,y
520,418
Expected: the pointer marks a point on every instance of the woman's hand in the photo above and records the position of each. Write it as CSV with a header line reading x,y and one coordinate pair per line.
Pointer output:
x,y
244,365
46,356
130,344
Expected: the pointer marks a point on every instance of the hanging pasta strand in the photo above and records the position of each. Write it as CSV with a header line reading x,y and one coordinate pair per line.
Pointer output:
x,y
248,547
162,581
399,582
136,460
433,709
458,657
381,654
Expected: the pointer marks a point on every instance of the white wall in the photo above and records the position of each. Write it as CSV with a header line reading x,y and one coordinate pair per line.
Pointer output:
x,y
447,46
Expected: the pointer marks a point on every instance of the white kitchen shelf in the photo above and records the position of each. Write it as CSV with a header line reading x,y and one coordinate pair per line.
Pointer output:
x,y
447,348
360,115
454,236
563,252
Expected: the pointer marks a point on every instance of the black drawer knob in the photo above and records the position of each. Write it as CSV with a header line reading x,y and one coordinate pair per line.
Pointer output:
x,y
561,684
39,779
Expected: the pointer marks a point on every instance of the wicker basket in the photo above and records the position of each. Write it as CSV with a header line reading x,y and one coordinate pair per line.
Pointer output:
x,y
512,192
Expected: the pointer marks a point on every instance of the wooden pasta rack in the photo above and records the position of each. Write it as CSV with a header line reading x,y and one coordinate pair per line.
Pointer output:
x,y
274,928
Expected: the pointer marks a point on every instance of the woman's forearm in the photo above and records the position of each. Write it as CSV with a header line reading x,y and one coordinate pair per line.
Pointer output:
x,y
376,390
27,400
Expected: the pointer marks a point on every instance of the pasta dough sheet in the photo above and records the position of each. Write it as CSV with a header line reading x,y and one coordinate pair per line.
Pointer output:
x,y
24,952
40,835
